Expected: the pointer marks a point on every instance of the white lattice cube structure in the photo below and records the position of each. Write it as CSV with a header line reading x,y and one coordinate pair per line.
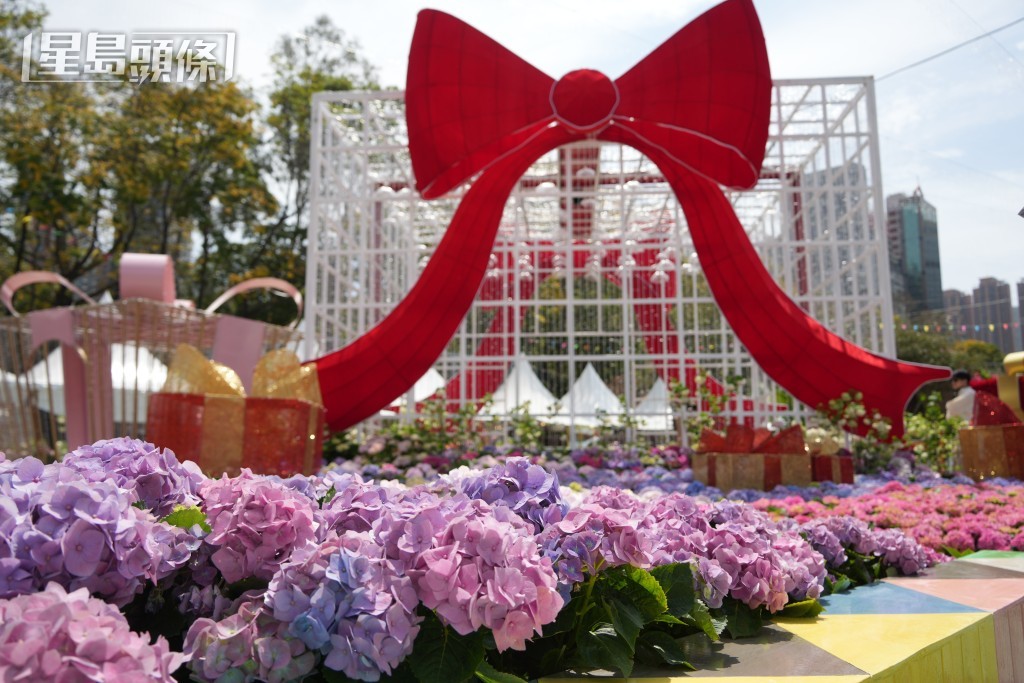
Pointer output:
x,y
593,244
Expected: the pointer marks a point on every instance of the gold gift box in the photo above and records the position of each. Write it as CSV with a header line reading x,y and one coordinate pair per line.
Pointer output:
x,y
993,451
203,415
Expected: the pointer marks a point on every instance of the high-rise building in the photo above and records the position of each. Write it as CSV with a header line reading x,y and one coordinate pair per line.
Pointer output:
x,y
993,313
913,231
1018,339
959,313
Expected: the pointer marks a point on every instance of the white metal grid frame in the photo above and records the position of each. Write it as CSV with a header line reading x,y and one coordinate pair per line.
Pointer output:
x,y
589,225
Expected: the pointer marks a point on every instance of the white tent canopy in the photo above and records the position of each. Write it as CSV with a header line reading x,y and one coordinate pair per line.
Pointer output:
x,y
655,412
425,387
134,373
521,386
588,398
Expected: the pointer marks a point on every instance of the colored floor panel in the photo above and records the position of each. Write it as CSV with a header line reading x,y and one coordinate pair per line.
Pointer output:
x,y
887,598
1009,634
876,643
774,652
728,679
969,570
983,594
991,558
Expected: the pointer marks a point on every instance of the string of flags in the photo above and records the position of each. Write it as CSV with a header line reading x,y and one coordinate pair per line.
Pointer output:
x,y
991,327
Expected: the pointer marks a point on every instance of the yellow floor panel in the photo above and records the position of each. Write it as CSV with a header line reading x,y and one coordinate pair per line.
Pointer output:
x,y
907,644
717,679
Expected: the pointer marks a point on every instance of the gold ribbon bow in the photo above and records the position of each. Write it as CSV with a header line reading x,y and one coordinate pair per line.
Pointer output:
x,y
278,374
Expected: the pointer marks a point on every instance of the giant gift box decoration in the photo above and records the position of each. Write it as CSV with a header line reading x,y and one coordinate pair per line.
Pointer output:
x,y
698,107
752,459
73,375
204,415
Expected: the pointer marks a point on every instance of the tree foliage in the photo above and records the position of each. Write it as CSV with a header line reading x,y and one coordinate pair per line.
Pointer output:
x,y
977,356
199,171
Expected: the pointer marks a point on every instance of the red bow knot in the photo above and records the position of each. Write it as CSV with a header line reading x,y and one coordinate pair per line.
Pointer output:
x,y
584,100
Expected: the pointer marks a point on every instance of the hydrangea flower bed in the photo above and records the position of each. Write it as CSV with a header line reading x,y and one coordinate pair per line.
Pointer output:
x,y
956,518
343,577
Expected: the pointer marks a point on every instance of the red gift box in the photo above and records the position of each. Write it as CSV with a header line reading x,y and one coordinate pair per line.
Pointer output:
x,y
749,459
223,434
837,468
203,415
762,471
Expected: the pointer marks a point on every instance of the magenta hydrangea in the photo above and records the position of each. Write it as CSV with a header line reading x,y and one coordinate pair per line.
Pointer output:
x,y
256,524
53,635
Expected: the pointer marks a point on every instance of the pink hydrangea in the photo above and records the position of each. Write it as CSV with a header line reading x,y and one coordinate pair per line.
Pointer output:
x,y
54,635
256,524
962,517
476,565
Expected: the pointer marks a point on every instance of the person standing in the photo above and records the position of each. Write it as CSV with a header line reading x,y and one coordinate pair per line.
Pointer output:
x,y
961,405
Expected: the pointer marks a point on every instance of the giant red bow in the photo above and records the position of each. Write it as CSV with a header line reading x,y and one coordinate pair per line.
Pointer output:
x,y
698,106
702,98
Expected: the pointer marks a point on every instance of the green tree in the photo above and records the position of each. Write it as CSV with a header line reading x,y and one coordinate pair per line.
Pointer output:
x,y
89,172
51,191
320,59
923,347
977,356
182,167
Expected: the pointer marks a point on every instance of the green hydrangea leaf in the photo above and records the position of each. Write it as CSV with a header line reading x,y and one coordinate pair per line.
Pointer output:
x,y
603,648
805,609
677,582
186,517
488,674
666,647
440,655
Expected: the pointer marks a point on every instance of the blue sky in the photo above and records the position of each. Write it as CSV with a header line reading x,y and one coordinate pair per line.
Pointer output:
x,y
954,126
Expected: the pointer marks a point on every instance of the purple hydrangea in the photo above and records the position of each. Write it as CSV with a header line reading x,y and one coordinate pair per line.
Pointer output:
x,y
55,525
347,600
54,635
736,551
529,490
356,504
823,539
852,533
902,552
832,536
152,474
247,646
